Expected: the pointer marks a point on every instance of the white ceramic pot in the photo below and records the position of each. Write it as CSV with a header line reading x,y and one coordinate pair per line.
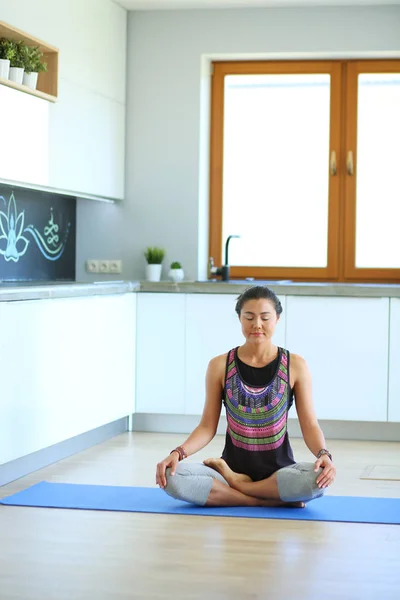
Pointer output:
x,y
30,80
176,274
4,68
153,272
16,74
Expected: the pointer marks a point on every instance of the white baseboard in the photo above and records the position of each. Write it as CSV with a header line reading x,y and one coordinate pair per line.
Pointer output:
x,y
42,458
340,430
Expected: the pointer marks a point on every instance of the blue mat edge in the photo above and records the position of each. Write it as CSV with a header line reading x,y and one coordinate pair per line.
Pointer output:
x,y
180,507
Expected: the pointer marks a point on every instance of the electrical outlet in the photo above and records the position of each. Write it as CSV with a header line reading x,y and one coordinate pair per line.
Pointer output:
x,y
92,266
104,266
115,266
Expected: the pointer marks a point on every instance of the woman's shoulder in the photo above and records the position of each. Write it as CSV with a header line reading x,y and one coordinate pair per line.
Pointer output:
x,y
296,359
216,367
219,361
298,365
222,358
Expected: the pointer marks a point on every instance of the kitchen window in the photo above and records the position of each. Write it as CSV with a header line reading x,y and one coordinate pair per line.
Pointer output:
x,y
305,168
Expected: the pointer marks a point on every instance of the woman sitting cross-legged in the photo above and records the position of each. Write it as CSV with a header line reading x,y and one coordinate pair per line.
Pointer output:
x,y
256,382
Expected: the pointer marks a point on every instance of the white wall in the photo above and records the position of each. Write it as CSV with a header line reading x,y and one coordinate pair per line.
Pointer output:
x,y
165,168
86,126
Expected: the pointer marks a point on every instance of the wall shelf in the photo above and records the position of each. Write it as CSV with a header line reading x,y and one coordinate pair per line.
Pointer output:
x,y
47,87
24,88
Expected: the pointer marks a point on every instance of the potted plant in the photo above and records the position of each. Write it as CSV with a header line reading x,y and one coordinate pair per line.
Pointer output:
x,y
17,62
176,272
33,65
7,53
154,257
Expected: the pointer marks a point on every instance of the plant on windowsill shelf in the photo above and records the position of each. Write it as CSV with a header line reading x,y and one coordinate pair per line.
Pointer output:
x,y
176,272
154,257
17,63
32,55
33,66
7,53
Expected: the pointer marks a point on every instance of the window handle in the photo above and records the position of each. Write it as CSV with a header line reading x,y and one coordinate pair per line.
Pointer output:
x,y
333,165
349,163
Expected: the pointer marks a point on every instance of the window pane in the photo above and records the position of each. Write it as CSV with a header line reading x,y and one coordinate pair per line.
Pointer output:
x,y
378,189
276,175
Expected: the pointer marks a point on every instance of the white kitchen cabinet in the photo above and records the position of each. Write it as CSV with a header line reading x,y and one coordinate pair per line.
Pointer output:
x,y
87,133
160,363
68,366
212,328
345,343
394,365
78,143
21,378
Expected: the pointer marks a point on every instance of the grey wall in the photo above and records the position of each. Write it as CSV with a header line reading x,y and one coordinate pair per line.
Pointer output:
x,y
105,231
167,118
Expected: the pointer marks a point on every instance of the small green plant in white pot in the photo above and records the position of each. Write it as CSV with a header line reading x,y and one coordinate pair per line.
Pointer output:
x,y
17,62
7,53
176,272
154,257
33,66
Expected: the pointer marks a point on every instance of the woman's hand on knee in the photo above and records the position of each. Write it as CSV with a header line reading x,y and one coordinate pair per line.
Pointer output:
x,y
328,474
171,461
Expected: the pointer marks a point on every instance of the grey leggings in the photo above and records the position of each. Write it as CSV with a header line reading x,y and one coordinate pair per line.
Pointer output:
x,y
192,482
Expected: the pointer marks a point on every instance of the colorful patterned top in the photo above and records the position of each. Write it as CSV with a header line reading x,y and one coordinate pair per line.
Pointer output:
x,y
257,441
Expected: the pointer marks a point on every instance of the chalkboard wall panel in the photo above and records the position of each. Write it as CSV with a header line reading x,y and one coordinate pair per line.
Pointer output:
x,y
37,235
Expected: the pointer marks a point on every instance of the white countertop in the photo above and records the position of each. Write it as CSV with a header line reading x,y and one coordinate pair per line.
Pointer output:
x,y
37,291
66,289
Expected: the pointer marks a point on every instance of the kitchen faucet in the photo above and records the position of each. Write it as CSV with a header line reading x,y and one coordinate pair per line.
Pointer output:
x,y
224,271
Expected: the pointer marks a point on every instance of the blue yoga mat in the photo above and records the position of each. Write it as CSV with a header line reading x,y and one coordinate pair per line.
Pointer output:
x,y
153,500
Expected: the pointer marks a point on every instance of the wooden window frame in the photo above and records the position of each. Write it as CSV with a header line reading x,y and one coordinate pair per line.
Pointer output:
x,y
350,271
342,189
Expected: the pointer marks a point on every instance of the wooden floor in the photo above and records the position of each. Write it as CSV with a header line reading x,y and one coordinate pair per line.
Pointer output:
x,y
83,555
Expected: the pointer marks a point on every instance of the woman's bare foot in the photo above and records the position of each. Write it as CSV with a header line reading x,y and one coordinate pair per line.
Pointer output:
x,y
233,479
219,465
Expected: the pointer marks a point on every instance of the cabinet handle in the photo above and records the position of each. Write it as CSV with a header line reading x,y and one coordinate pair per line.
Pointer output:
x,y
333,164
350,163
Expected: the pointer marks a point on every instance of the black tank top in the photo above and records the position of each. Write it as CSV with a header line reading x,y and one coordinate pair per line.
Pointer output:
x,y
257,401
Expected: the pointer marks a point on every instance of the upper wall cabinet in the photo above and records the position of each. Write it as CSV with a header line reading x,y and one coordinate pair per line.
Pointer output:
x,y
77,144
87,142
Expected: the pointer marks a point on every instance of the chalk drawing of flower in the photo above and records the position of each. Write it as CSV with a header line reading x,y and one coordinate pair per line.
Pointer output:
x,y
13,244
